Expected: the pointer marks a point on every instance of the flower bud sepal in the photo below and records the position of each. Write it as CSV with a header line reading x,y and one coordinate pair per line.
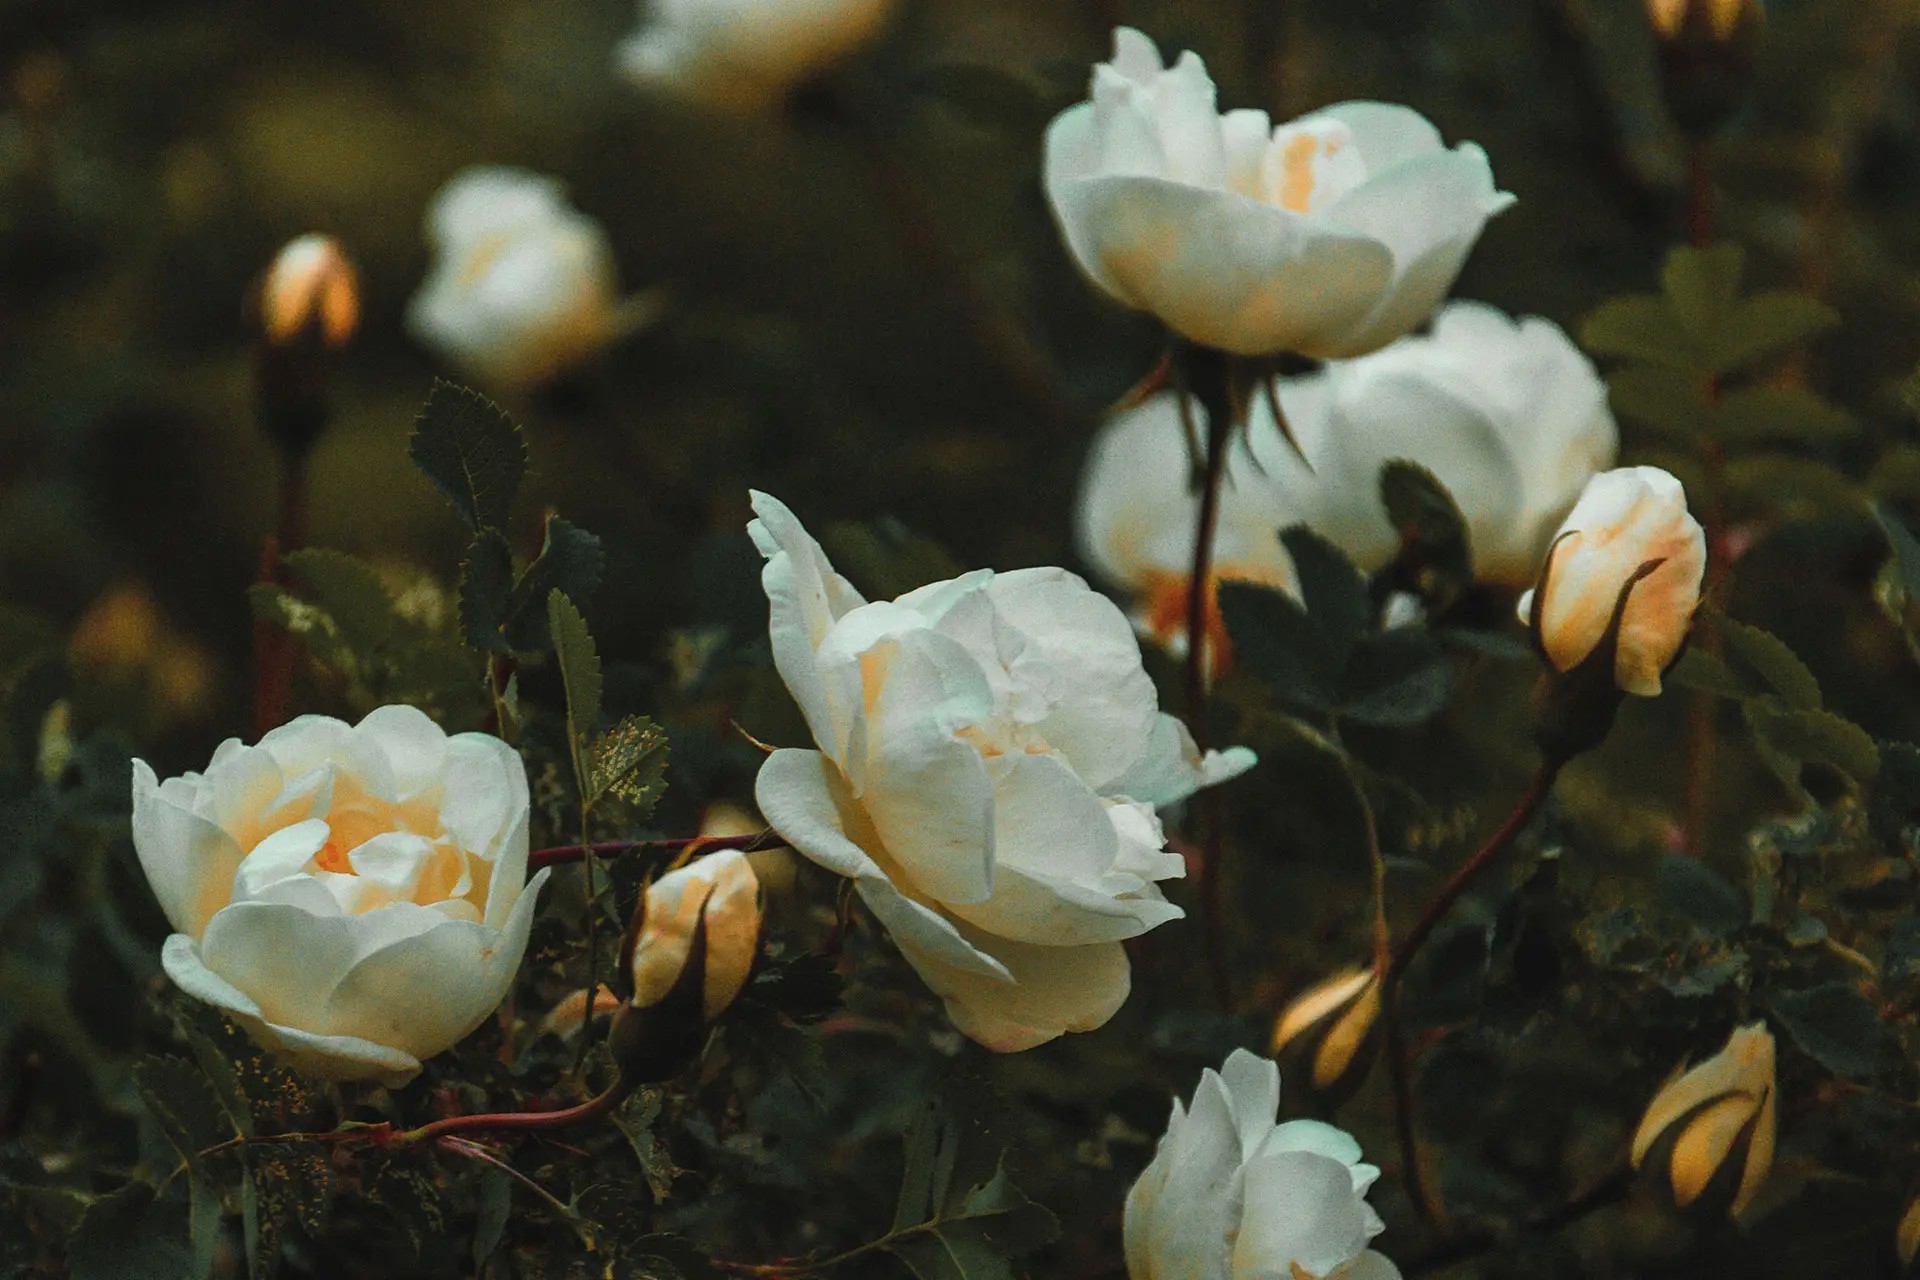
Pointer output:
x,y
1575,709
1706,63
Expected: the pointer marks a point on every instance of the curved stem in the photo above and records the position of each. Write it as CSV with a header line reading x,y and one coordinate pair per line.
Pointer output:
x,y
1199,598
519,1121
558,855
1461,880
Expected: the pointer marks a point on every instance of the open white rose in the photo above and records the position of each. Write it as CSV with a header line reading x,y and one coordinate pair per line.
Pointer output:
x,y
355,895
1231,1195
1138,514
1507,414
1327,237
1625,519
745,54
990,754
523,285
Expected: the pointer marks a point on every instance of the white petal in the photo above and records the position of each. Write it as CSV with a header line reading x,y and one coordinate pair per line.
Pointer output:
x,y
188,860
1053,990
415,747
280,856
805,598
1301,1211
1173,768
1253,1093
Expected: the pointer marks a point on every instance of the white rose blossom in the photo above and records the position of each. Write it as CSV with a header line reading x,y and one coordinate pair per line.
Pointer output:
x,y
1138,513
1507,414
1624,519
355,895
990,755
1327,237
745,54
1232,1195
523,286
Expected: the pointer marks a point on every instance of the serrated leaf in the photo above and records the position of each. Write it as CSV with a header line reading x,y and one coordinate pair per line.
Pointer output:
x,y
176,1093
1765,324
288,1188
1702,285
1640,327
486,584
572,562
1767,657
1815,737
579,661
1835,1026
629,762
1765,415
1704,673
1433,534
1669,401
472,451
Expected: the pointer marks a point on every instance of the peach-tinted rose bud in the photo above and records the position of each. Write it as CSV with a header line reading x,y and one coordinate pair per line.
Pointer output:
x,y
310,286
1714,1120
707,914
1339,1016
1628,522
1722,18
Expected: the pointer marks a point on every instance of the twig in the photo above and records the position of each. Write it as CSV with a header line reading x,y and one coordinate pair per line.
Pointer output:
x,y
1199,598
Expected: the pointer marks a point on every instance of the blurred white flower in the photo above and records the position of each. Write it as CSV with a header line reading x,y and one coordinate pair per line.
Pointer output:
x,y
991,752
522,286
745,54
1625,519
355,895
1327,237
1507,414
1231,1195
1138,514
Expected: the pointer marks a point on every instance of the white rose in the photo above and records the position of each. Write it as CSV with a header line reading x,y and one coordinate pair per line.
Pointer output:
x,y
523,285
1327,237
745,54
1231,1195
1138,515
355,895
1507,414
1625,519
990,754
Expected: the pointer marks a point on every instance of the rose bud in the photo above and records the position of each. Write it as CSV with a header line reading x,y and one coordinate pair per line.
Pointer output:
x,y
1907,1237
1336,1018
1712,1127
1627,567
1706,57
688,955
311,287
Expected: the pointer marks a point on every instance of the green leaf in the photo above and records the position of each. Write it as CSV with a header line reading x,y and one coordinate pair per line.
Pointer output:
x,y
945,1229
572,562
289,1188
350,592
579,661
1640,327
1906,552
486,584
1764,325
1790,487
129,1235
495,1207
1704,673
176,1093
1836,1026
1703,287
1814,737
1700,896
1396,680
1765,415
1767,657
1669,401
1275,640
629,762
1433,534
472,451
1333,590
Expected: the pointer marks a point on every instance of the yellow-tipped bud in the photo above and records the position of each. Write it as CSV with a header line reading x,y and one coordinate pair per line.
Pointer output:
x,y
310,288
1337,1016
1720,18
1714,1122
1907,1238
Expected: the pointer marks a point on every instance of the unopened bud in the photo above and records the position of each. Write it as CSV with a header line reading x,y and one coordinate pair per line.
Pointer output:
x,y
1706,57
1907,1238
688,955
1334,1022
310,288
1708,1134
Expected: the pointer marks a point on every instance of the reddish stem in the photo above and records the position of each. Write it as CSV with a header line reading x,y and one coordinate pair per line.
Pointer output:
x,y
558,855
1700,212
518,1121
1199,596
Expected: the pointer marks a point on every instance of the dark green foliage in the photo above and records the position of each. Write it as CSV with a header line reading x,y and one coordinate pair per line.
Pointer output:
x,y
472,451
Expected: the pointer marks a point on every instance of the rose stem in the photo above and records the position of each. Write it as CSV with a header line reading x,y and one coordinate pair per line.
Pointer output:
x,y
558,855
1210,388
1700,707
1469,871
518,1121
272,647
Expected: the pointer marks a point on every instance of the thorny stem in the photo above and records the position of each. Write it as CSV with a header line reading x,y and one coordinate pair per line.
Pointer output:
x,y
558,855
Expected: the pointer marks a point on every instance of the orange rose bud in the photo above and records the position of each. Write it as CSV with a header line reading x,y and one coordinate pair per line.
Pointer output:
x,y
1336,1020
311,287
1711,1128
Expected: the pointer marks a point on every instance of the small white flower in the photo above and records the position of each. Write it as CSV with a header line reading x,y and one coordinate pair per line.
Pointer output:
x,y
523,285
1327,237
355,895
1625,519
1232,1195
990,755
1507,414
745,54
